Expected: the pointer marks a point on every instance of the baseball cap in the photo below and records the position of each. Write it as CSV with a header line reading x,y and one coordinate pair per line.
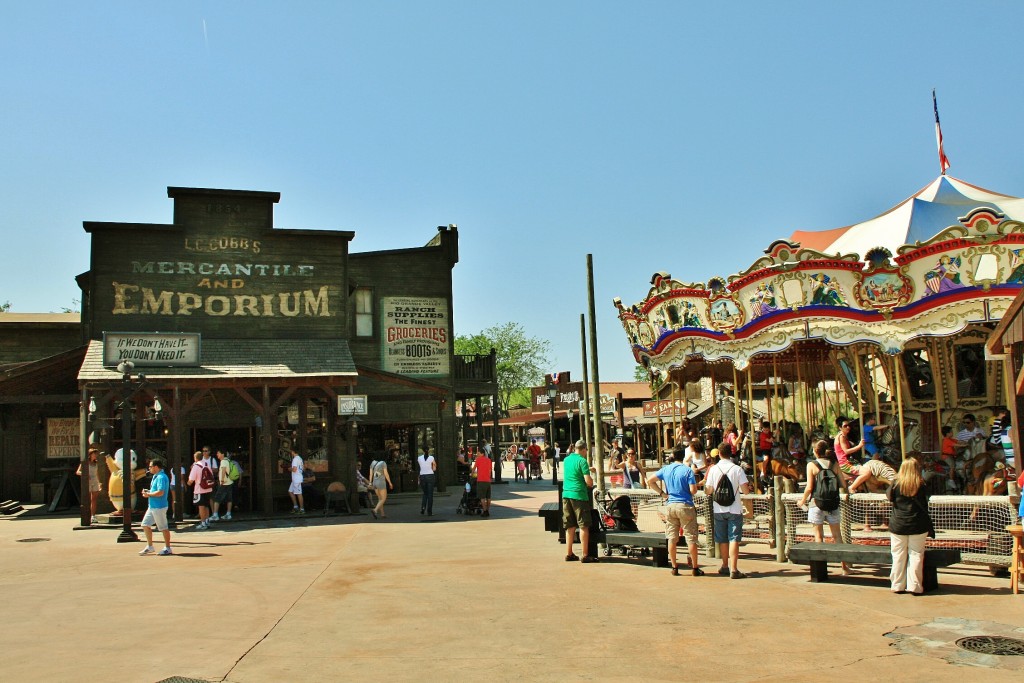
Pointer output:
x,y
713,453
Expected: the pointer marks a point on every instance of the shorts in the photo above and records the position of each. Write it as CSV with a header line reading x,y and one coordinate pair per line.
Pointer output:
x,y
295,487
155,517
576,514
728,527
681,515
94,486
849,469
483,490
818,517
202,499
224,494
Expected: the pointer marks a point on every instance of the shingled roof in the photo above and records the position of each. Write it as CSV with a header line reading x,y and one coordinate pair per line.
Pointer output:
x,y
256,359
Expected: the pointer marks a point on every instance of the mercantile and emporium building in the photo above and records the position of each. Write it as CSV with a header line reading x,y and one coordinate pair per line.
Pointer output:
x,y
253,339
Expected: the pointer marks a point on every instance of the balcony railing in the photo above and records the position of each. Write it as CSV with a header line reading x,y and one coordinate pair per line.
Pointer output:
x,y
477,367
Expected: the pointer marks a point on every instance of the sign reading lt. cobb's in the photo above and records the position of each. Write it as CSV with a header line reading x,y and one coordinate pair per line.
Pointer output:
x,y
414,335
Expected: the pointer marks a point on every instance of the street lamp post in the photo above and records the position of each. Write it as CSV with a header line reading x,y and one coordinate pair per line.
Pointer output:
x,y
128,390
552,391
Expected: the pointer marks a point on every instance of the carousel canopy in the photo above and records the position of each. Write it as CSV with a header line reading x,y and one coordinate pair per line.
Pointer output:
x,y
918,218
949,257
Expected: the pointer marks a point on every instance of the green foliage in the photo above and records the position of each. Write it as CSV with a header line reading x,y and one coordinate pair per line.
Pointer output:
x,y
76,306
520,359
5,306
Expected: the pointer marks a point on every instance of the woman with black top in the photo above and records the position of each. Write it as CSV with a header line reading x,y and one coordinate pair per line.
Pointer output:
x,y
909,528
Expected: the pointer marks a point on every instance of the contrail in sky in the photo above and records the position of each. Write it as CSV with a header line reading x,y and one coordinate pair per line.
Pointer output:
x,y
206,39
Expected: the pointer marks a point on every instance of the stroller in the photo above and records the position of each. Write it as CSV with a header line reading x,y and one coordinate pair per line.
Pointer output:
x,y
616,514
470,503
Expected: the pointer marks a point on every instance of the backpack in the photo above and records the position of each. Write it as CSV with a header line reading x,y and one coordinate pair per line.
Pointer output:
x,y
826,489
724,494
234,471
206,478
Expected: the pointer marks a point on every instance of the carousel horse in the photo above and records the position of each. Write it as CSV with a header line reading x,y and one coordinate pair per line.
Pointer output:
x,y
777,468
978,469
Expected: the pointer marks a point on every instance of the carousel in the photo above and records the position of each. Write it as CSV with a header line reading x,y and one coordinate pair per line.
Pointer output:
x,y
885,320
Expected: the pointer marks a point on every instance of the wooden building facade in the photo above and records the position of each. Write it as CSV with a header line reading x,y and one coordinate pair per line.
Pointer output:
x,y
291,330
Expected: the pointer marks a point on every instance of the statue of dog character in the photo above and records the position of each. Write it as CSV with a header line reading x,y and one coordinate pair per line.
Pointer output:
x,y
115,486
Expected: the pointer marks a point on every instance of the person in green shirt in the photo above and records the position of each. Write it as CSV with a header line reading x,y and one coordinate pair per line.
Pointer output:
x,y
577,504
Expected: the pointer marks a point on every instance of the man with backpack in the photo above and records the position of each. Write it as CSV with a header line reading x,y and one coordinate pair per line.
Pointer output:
x,y
227,475
824,481
725,481
201,478
677,483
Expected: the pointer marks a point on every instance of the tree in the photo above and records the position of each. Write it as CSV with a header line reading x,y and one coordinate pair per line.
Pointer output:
x,y
521,359
5,306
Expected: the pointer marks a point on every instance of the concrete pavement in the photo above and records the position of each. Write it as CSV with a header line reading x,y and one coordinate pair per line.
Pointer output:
x,y
446,598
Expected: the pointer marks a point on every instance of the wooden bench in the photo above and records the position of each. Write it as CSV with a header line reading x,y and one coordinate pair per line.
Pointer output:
x,y
552,515
818,555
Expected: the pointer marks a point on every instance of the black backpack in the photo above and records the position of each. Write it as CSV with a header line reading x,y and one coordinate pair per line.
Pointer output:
x,y
826,489
724,493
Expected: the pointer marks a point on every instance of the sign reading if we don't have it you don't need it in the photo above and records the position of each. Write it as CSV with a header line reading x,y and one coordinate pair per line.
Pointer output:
x,y
151,349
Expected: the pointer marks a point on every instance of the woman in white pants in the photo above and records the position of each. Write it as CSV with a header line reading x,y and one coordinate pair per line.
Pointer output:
x,y
909,528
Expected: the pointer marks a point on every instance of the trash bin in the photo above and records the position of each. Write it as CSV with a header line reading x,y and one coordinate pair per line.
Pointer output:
x,y
37,493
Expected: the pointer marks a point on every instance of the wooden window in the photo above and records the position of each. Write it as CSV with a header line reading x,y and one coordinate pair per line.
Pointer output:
x,y
364,312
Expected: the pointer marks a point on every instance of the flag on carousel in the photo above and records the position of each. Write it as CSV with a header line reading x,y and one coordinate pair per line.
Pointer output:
x,y
943,160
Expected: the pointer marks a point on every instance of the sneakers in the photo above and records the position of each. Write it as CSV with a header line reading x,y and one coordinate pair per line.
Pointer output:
x,y
723,571
675,571
571,558
203,526
227,517
295,510
93,520
697,571
486,513
738,575
214,517
165,551
302,511
588,559
148,550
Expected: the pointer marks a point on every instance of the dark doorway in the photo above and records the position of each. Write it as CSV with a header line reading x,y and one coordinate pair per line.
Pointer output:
x,y
238,443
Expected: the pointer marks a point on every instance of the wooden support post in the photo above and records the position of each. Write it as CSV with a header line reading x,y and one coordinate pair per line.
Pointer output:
x,y
752,434
780,521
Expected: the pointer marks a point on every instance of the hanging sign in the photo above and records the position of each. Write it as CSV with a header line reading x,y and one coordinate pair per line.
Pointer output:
x,y
151,349
62,437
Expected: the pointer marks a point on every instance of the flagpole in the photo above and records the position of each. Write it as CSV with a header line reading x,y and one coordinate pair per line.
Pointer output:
x,y
943,160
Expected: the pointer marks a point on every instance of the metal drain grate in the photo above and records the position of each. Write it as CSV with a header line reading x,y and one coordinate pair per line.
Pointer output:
x,y
32,540
992,645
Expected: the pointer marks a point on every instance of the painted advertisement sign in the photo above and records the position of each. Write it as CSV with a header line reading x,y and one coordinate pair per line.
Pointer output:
x,y
62,437
414,335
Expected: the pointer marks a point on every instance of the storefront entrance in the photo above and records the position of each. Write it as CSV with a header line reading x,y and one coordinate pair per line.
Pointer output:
x,y
238,442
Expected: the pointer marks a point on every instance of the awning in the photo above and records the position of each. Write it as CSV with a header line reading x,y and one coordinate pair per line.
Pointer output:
x,y
229,361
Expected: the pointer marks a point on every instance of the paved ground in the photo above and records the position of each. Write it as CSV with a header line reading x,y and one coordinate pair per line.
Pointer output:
x,y
448,598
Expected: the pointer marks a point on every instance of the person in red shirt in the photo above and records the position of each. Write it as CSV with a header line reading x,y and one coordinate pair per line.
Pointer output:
x,y
482,471
533,453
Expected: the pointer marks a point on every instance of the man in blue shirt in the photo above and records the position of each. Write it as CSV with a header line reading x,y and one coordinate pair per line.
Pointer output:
x,y
676,482
156,515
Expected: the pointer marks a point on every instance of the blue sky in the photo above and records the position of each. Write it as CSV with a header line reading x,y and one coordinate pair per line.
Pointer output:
x,y
657,136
